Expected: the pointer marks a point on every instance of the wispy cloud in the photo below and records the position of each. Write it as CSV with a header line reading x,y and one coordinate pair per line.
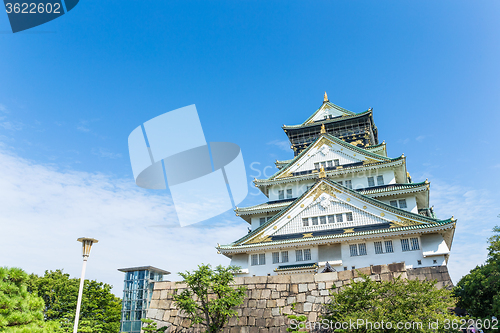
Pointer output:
x,y
475,211
82,127
103,152
281,144
420,138
45,209
10,125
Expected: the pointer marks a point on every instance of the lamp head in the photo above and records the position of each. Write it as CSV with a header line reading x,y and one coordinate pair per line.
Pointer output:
x,y
86,245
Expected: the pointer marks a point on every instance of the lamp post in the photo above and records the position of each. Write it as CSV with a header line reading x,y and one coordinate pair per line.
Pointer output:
x,y
86,246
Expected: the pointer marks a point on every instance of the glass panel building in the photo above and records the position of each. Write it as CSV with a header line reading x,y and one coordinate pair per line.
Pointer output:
x,y
137,292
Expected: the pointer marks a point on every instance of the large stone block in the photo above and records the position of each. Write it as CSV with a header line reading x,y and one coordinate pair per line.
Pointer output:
x,y
345,275
261,303
363,270
279,279
303,288
156,294
397,267
332,276
255,279
161,285
266,294
282,287
302,278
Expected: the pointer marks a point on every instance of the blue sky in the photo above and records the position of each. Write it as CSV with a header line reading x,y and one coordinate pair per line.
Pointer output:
x,y
73,89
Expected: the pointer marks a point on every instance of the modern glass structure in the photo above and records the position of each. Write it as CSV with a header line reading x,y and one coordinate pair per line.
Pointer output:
x,y
137,292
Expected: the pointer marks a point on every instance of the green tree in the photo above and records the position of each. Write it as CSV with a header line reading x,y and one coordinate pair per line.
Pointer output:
x,y
210,296
479,291
397,301
100,310
20,311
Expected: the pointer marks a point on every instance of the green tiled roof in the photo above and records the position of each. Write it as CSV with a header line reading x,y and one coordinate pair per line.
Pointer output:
x,y
326,121
296,267
339,236
340,142
429,222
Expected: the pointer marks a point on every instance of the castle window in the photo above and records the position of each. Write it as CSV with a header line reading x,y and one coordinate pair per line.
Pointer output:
x,y
289,193
276,257
357,249
316,166
345,268
255,259
378,247
371,182
314,220
299,255
348,216
388,246
339,217
284,256
348,184
380,180
262,220
414,244
405,244
305,222
331,219
322,219
337,162
394,203
307,254
330,164
402,203
281,194
362,249
262,259
434,261
419,262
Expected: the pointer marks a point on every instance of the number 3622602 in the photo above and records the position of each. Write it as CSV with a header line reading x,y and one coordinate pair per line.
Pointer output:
x,y
33,8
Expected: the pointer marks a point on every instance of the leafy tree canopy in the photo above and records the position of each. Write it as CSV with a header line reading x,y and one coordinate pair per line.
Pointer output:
x,y
397,301
100,310
479,291
20,311
210,297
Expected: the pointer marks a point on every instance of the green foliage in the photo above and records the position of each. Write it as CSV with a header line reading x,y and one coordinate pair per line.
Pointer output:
x,y
299,323
151,326
210,297
100,310
20,311
479,291
396,301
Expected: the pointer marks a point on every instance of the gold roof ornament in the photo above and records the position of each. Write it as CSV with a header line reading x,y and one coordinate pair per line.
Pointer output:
x,y
325,98
322,173
323,129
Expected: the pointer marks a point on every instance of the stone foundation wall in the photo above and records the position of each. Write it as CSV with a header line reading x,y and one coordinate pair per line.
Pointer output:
x,y
270,298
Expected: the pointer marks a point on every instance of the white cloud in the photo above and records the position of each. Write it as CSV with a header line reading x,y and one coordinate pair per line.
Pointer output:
x,y
281,144
44,210
420,138
3,108
102,152
475,211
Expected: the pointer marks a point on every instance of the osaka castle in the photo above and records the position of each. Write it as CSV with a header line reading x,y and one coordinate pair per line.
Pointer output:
x,y
340,203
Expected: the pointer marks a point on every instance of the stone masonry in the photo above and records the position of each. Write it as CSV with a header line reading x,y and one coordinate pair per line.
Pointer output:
x,y
270,298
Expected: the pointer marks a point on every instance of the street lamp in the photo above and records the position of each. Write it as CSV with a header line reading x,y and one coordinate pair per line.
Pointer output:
x,y
86,246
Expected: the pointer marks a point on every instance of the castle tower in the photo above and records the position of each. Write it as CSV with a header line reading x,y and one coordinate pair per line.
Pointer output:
x,y
341,203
